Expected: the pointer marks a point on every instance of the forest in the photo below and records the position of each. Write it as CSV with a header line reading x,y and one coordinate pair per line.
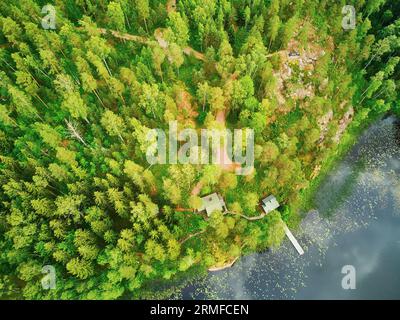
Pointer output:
x,y
82,83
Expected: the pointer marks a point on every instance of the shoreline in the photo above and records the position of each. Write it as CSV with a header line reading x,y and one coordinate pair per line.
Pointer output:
x,y
225,266
350,137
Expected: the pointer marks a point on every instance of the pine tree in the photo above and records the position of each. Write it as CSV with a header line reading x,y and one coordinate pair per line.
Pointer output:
x,y
113,124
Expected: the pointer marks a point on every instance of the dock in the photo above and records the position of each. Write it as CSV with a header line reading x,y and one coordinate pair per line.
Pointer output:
x,y
293,240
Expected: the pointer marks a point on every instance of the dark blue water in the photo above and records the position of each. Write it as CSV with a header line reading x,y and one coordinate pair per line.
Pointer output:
x,y
356,222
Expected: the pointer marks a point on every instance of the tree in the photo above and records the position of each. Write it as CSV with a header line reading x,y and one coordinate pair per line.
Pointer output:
x,y
247,15
203,93
258,121
228,181
242,90
270,152
273,8
113,124
66,156
250,202
211,174
375,83
178,29
151,100
115,16
251,240
380,48
273,29
373,5
226,59
217,99
195,202
311,138
275,230
176,55
11,30
143,9
74,104
174,249
172,191
22,102
288,30
5,116
158,59
135,172
80,268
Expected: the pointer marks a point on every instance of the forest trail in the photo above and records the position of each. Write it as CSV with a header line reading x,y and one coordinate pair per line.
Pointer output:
x,y
158,35
225,162
261,216
197,188
220,117
275,53
124,36
191,236
189,51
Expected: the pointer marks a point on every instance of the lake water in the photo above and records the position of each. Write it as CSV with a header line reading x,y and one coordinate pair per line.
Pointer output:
x,y
356,222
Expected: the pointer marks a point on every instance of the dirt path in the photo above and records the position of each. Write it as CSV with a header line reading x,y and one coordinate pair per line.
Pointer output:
x,y
275,53
191,52
246,217
191,236
158,35
197,188
125,36
220,117
225,161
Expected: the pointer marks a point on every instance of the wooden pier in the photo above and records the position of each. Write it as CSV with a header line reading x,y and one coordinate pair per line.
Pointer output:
x,y
293,240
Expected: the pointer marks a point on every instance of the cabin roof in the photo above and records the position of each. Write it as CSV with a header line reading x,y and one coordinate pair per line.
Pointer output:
x,y
270,203
212,202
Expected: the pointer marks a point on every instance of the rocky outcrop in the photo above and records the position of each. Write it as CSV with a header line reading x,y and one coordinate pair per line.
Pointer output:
x,y
344,123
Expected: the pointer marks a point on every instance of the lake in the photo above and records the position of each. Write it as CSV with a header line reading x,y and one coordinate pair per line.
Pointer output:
x,y
356,222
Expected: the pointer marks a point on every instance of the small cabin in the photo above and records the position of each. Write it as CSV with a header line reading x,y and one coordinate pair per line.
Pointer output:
x,y
212,202
269,204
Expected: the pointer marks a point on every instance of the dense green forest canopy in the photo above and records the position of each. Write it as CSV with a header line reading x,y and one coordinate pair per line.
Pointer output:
x,y
77,101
